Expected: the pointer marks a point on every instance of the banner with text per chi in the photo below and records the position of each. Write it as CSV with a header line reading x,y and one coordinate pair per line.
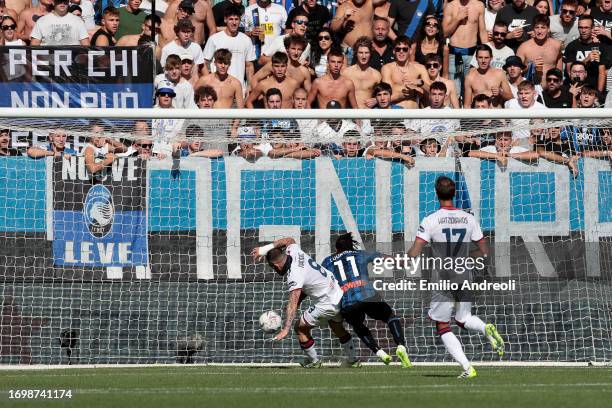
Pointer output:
x,y
76,77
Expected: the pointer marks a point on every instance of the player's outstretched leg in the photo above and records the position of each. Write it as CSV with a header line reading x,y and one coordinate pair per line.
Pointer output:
x,y
346,341
474,323
453,346
495,339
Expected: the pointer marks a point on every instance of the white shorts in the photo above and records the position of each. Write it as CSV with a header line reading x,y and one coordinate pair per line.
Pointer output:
x,y
442,311
320,314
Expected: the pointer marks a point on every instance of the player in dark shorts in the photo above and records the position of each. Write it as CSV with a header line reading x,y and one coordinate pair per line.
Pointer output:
x,y
350,268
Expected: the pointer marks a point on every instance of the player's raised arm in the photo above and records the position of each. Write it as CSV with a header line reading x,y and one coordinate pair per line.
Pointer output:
x,y
259,252
294,300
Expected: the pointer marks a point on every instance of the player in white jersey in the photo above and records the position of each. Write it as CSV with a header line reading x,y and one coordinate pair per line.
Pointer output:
x,y
450,232
305,277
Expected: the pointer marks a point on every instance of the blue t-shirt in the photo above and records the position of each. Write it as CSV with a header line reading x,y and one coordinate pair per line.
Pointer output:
x,y
581,138
350,268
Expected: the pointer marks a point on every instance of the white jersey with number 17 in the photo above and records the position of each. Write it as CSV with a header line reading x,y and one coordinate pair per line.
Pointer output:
x,y
314,280
449,224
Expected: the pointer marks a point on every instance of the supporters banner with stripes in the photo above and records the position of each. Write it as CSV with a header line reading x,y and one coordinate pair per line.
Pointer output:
x,y
100,221
76,77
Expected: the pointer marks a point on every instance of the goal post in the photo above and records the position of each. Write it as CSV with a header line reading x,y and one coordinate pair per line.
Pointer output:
x,y
147,261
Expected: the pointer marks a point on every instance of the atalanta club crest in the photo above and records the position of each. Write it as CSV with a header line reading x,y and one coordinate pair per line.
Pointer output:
x,y
99,211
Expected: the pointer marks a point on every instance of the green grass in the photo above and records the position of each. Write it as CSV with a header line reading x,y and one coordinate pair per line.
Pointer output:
x,y
374,386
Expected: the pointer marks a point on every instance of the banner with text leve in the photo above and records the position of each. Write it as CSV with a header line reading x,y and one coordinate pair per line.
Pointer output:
x,y
99,220
76,77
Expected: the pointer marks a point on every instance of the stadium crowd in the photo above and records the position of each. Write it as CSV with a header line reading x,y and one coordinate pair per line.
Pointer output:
x,y
369,54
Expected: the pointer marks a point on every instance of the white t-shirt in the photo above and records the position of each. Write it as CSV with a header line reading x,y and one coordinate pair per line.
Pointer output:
x,y
521,125
314,280
52,29
272,19
308,128
184,91
192,49
88,13
562,33
165,131
98,152
489,18
242,50
499,56
264,148
437,128
326,134
513,149
279,45
538,89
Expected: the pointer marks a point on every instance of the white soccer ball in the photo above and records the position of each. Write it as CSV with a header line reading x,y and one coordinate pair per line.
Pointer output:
x,y
270,321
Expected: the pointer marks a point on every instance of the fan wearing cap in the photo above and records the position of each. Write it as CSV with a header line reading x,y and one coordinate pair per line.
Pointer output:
x,y
556,95
105,36
514,68
187,72
202,15
28,17
333,86
131,18
182,44
279,80
59,28
166,131
164,97
486,80
228,88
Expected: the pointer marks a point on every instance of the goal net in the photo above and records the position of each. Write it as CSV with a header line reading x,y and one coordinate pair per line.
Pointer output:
x,y
145,257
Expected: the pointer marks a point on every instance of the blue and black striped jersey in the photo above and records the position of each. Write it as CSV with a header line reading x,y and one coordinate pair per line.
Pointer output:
x,y
350,268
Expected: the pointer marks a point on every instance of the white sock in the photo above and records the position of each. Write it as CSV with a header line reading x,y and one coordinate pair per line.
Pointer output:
x,y
311,352
475,324
454,348
381,353
349,350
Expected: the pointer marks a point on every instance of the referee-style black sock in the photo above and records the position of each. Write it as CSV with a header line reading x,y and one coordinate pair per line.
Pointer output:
x,y
396,330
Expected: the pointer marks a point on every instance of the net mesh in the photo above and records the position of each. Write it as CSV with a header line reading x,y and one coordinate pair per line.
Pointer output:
x,y
170,278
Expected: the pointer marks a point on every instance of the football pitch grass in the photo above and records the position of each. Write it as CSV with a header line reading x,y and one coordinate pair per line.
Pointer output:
x,y
371,386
